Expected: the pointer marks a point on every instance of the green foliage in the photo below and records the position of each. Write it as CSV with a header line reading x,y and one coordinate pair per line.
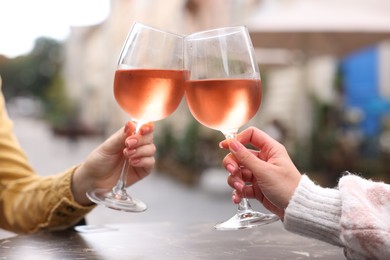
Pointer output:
x,y
59,110
186,156
31,74
181,149
186,151
37,75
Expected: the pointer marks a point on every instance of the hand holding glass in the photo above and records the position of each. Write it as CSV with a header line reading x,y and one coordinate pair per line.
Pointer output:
x,y
148,86
223,92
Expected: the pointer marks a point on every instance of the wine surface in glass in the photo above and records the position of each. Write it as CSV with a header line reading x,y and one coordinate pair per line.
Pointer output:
x,y
148,94
223,104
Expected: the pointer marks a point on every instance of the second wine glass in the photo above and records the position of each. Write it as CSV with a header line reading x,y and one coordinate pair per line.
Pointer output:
x,y
148,85
223,92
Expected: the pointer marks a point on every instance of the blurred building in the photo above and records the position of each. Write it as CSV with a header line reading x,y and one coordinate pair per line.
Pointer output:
x,y
92,52
293,76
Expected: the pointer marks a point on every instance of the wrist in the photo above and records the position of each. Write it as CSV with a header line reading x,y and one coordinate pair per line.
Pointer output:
x,y
80,185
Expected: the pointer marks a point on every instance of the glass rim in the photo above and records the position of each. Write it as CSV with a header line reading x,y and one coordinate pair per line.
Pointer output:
x,y
136,23
212,33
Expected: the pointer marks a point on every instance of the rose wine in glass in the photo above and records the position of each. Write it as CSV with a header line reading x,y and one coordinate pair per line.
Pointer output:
x,y
223,92
148,86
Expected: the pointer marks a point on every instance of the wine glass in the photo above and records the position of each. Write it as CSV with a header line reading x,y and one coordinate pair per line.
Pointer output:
x,y
148,86
223,92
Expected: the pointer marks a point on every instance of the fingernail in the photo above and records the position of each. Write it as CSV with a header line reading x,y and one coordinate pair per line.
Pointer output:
x,y
235,198
130,151
234,145
238,186
131,142
129,128
135,161
230,168
145,130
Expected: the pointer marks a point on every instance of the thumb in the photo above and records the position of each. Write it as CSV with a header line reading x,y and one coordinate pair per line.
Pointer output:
x,y
116,142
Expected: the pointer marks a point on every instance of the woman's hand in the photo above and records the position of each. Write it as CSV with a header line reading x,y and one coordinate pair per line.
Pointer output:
x,y
103,166
269,170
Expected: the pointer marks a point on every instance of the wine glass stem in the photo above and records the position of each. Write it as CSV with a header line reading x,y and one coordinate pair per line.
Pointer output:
x,y
244,204
119,190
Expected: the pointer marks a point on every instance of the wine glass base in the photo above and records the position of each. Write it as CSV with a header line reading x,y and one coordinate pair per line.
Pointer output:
x,y
246,219
107,198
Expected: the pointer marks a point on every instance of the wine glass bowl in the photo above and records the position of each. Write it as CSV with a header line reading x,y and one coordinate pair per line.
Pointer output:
x,y
223,92
148,86
223,104
148,94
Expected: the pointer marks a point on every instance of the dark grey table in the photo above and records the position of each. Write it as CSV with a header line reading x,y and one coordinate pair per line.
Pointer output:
x,y
167,241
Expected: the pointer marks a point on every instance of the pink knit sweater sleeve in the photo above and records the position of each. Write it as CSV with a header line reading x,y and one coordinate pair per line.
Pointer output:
x,y
356,216
365,218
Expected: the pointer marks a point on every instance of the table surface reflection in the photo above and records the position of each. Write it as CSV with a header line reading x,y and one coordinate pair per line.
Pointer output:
x,y
167,241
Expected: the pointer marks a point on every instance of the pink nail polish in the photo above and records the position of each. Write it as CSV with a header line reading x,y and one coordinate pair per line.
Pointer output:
x,y
231,169
234,145
238,186
131,151
135,161
145,130
131,142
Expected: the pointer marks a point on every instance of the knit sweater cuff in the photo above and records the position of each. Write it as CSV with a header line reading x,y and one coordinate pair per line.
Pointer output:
x,y
314,211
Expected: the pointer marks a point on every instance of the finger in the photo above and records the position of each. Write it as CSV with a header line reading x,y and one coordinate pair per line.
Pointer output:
x,y
236,198
147,128
140,168
235,182
143,162
129,128
231,160
257,138
138,140
247,175
246,158
249,192
230,181
142,151
224,144
242,186
134,142
237,195
230,163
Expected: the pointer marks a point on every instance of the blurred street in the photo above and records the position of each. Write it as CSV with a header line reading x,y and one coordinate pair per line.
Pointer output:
x,y
167,199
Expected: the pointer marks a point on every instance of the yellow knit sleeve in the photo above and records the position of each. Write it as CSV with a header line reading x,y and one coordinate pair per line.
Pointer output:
x,y
36,203
30,202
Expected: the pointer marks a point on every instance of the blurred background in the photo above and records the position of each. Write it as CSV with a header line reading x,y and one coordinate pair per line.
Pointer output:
x,y
325,67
